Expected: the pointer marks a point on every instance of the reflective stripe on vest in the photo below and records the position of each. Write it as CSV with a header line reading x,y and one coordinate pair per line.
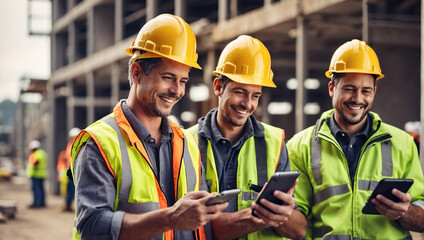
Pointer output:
x,y
386,153
126,182
126,170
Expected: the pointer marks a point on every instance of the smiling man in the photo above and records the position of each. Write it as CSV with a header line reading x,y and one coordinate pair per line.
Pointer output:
x,y
348,151
240,152
137,174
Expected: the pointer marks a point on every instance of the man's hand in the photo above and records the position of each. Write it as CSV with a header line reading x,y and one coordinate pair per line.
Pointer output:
x,y
273,214
190,212
393,210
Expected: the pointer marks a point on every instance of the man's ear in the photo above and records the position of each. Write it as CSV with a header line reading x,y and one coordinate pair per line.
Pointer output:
x,y
136,72
217,87
331,88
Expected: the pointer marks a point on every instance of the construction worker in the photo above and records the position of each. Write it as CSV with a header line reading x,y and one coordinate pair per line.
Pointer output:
x,y
67,188
413,128
348,151
137,174
37,171
240,152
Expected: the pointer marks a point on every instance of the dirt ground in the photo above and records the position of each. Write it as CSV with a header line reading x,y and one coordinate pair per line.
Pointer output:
x,y
34,224
42,224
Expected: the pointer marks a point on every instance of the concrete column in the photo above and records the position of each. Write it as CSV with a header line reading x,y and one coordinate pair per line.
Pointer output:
x,y
233,8
72,41
115,73
301,72
267,3
365,19
90,98
152,9
222,10
52,139
70,106
119,23
90,32
207,71
180,8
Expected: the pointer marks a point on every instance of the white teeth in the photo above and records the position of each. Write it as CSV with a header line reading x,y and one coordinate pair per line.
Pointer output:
x,y
168,100
242,112
355,108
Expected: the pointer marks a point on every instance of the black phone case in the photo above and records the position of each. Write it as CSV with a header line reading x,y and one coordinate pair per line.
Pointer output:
x,y
281,181
384,187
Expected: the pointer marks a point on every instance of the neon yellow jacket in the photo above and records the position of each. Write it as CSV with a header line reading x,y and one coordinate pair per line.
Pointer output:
x,y
37,164
123,153
247,168
325,193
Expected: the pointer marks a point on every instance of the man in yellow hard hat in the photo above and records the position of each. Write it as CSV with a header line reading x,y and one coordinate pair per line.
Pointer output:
x,y
137,174
348,151
240,152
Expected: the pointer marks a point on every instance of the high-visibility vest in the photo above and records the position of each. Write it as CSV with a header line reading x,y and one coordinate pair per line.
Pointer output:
x,y
325,192
131,167
256,162
37,164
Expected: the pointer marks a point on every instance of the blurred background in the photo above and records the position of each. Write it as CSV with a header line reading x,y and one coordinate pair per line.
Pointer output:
x,y
63,62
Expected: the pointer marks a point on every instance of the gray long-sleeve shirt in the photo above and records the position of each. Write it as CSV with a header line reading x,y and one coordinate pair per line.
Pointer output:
x,y
96,187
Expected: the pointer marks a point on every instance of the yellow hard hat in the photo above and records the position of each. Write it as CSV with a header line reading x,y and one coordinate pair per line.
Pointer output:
x,y
166,36
246,60
355,57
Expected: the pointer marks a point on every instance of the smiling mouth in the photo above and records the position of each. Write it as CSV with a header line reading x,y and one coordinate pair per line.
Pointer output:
x,y
168,100
355,106
240,110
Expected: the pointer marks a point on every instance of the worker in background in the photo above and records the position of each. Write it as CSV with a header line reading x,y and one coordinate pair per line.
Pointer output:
x,y
348,151
137,174
238,151
37,171
67,188
413,128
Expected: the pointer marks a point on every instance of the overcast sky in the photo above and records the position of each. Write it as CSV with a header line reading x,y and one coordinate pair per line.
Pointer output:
x,y
20,54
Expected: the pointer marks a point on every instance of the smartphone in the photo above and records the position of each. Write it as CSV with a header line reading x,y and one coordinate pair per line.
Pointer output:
x,y
281,181
223,196
384,187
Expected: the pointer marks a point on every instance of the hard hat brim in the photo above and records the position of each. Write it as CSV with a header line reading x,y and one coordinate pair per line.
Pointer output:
x,y
149,54
247,79
329,73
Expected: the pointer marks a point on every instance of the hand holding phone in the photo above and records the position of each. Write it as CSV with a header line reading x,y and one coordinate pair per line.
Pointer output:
x,y
385,187
223,196
281,181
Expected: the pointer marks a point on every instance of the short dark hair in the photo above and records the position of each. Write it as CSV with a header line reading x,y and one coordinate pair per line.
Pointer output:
x,y
224,80
147,64
335,77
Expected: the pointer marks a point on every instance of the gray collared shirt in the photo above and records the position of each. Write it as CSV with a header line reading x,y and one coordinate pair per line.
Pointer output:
x,y
351,147
226,153
96,188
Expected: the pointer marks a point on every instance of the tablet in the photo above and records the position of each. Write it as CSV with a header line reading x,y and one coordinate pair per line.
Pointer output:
x,y
384,187
281,181
223,196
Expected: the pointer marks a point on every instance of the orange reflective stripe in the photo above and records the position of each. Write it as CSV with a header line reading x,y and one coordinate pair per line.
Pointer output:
x,y
32,159
169,235
178,148
132,136
202,234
